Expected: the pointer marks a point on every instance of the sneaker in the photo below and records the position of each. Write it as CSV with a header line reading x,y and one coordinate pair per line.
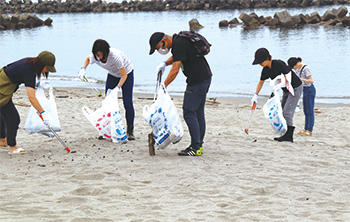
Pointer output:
x,y
201,149
185,149
190,152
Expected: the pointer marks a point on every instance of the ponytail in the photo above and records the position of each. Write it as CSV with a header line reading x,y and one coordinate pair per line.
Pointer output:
x,y
37,66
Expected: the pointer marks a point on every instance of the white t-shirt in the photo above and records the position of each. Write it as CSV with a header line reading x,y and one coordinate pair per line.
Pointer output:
x,y
115,61
305,75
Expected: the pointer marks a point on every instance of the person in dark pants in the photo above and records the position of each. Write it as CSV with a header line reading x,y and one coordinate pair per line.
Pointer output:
x,y
271,69
198,73
11,76
309,93
120,74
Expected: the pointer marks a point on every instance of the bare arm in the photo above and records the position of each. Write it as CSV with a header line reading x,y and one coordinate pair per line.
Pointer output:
x,y
308,80
259,86
123,78
33,100
173,72
86,62
169,61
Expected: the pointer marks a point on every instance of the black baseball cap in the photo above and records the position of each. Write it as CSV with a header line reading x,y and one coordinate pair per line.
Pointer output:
x,y
261,55
292,61
154,40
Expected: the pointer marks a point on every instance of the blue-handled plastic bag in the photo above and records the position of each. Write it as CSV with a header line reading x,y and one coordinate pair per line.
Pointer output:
x,y
164,120
274,113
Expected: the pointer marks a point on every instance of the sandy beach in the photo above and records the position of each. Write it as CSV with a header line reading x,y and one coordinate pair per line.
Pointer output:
x,y
240,177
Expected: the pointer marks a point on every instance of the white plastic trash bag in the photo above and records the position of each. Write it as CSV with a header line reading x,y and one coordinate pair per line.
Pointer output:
x,y
164,120
34,123
283,80
274,113
117,128
107,119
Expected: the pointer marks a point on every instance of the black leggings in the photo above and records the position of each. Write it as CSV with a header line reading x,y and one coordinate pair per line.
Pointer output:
x,y
9,122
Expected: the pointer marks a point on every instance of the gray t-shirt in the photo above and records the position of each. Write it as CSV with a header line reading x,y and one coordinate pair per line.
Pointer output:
x,y
115,61
304,74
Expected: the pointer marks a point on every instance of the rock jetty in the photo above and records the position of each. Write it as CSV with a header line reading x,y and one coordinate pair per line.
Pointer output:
x,y
284,19
25,20
70,6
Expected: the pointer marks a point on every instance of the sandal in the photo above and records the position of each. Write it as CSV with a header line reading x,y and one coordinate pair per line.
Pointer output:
x,y
306,133
18,151
3,143
302,131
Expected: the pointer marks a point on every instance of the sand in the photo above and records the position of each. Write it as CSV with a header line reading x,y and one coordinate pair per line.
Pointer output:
x,y
240,177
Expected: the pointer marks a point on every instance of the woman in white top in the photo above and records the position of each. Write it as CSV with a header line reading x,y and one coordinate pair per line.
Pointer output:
x,y
309,93
120,74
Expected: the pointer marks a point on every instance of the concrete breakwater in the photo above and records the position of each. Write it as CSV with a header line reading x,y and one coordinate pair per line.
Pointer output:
x,y
284,19
25,20
58,6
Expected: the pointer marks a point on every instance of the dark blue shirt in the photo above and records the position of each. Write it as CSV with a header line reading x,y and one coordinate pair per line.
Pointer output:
x,y
21,72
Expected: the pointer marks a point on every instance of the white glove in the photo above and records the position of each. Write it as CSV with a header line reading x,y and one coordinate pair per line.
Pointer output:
x,y
46,118
82,73
161,67
255,99
45,85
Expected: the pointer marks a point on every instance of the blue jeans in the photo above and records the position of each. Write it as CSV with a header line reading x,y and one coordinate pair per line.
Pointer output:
x,y
127,91
193,111
309,94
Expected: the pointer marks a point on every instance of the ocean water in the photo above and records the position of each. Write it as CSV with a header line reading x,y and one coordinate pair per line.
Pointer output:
x,y
326,50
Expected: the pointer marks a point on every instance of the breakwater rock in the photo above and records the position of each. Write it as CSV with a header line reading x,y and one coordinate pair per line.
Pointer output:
x,y
25,20
285,19
57,6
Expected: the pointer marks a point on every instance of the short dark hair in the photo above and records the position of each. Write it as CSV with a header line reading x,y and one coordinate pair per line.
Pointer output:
x,y
292,61
100,45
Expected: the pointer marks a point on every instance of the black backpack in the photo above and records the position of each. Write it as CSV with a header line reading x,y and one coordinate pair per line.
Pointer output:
x,y
201,45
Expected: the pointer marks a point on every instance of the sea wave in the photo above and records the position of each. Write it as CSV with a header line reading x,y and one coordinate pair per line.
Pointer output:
x,y
75,82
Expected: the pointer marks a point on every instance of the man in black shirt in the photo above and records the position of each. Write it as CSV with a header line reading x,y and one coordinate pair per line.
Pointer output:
x,y
291,93
198,73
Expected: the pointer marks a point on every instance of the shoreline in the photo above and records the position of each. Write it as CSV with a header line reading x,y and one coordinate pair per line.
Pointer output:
x,y
243,100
